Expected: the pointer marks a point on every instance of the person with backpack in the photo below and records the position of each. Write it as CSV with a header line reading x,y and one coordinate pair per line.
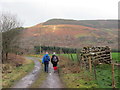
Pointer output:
x,y
45,61
54,61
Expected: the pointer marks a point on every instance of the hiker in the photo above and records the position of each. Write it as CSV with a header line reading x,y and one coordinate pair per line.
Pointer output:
x,y
54,61
45,61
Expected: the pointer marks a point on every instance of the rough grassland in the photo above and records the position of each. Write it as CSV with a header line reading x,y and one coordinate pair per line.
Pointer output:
x,y
8,79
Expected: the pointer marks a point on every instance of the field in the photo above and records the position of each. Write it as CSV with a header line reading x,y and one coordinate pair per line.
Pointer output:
x,y
104,76
103,72
116,57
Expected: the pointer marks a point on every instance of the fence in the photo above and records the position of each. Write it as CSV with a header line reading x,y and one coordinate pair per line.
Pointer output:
x,y
90,57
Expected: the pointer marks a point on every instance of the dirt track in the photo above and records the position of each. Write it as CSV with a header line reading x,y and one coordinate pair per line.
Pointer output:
x,y
52,80
31,77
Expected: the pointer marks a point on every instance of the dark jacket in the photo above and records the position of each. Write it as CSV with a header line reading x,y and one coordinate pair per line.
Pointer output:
x,y
53,61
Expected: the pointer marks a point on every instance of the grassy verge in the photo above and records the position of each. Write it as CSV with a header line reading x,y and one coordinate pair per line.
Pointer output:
x,y
74,77
8,79
40,80
72,80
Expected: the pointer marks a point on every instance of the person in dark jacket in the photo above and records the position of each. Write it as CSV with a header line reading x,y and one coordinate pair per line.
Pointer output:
x,y
54,61
45,61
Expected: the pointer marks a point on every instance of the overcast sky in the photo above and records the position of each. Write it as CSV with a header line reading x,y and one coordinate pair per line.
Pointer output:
x,y
32,12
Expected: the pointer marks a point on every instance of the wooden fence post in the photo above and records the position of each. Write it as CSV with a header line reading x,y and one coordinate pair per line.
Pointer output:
x,y
95,70
90,65
82,62
113,79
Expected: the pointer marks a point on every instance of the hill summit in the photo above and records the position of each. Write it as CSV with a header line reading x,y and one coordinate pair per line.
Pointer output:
x,y
88,23
71,33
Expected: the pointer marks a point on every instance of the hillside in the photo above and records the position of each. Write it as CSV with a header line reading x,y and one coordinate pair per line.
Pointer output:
x,y
70,33
88,23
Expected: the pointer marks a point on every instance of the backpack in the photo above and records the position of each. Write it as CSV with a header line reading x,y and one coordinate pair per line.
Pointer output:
x,y
55,59
46,59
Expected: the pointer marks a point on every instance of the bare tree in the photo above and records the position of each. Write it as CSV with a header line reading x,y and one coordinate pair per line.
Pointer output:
x,y
8,22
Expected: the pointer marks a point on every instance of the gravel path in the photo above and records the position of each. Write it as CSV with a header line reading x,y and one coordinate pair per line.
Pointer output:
x,y
53,80
26,81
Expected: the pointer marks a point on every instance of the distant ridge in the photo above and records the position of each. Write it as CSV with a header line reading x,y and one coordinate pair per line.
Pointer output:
x,y
88,23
